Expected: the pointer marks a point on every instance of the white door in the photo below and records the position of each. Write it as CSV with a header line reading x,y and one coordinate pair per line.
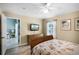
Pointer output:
x,y
3,34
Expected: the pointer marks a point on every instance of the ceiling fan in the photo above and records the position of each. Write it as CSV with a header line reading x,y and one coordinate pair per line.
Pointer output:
x,y
46,7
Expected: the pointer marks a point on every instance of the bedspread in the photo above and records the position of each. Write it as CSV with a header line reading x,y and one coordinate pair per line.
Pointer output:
x,y
56,47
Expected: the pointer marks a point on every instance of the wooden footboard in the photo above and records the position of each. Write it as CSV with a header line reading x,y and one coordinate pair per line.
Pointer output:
x,y
34,41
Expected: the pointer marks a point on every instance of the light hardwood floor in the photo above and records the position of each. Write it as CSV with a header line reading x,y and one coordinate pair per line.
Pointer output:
x,y
22,50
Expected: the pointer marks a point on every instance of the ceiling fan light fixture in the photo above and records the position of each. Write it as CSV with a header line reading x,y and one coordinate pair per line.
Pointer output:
x,y
46,11
48,4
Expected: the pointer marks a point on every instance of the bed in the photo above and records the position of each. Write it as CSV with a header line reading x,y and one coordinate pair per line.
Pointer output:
x,y
53,46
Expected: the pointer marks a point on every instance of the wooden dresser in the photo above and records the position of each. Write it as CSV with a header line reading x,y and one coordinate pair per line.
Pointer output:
x,y
33,36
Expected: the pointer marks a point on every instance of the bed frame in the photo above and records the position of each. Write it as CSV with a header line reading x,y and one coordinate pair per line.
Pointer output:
x,y
34,41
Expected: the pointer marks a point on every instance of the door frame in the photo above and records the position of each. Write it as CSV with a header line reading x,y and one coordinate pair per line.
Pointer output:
x,y
1,31
20,26
0,36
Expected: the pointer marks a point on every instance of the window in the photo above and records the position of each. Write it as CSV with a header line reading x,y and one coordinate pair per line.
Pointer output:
x,y
51,28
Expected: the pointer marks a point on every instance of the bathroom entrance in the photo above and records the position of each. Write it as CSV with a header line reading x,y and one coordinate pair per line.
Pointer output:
x,y
13,32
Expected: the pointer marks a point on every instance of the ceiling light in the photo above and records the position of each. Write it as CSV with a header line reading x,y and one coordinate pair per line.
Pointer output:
x,y
48,4
45,11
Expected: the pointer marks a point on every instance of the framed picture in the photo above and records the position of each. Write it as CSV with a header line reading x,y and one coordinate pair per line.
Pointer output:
x,y
76,23
66,24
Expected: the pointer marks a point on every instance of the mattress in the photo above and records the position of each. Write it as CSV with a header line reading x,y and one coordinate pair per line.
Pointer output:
x,y
56,47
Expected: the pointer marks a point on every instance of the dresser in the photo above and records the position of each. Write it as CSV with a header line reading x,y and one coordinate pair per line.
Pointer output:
x,y
29,37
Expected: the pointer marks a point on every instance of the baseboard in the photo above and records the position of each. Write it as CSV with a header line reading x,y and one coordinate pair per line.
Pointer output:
x,y
19,45
22,44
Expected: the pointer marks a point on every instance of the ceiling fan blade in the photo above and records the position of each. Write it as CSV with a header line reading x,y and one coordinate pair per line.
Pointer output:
x,y
51,8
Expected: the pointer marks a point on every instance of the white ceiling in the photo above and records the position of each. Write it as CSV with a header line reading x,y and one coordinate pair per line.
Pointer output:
x,y
36,10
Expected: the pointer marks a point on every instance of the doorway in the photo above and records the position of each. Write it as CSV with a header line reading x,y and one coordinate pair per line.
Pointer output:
x,y
13,32
9,33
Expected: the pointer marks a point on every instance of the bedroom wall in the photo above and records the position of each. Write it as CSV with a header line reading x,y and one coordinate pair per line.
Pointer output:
x,y
25,21
71,35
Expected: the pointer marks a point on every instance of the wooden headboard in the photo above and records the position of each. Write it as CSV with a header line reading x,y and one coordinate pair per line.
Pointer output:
x,y
34,41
